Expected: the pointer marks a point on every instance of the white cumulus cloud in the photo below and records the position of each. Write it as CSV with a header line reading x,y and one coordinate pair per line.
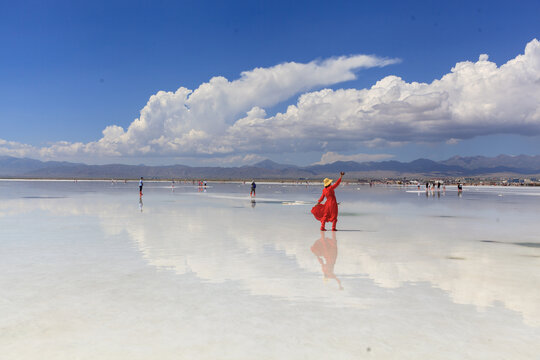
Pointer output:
x,y
228,119
474,99
331,157
191,122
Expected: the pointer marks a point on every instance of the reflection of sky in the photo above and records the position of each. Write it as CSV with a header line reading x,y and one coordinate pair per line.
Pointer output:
x,y
414,263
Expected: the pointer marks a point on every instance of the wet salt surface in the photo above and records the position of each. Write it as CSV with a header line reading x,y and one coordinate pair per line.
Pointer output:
x,y
87,271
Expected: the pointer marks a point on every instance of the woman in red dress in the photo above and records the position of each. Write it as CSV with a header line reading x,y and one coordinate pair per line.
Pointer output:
x,y
328,212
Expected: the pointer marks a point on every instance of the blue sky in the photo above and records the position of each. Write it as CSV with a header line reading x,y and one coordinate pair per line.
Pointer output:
x,y
69,70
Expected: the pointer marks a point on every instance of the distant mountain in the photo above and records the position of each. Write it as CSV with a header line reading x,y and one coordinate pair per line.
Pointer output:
x,y
420,166
502,165
10,166
482,162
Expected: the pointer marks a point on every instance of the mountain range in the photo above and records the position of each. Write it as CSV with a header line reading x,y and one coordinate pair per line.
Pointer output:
x,y
476,166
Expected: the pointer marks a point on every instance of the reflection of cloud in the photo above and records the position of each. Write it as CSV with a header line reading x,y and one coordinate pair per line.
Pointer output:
x,y
439,253
470,273
233,255
220,245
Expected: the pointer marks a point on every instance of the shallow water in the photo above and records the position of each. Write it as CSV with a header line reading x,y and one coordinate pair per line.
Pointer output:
x,y
88,271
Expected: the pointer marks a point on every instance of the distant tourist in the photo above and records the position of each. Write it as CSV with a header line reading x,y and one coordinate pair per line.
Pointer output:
x,y
253,187
328,212
141,184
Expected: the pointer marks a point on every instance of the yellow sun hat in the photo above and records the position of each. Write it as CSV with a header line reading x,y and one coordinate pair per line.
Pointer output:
x,y
327,182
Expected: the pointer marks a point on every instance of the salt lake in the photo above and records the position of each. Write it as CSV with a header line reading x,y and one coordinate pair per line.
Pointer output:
x,y
89,270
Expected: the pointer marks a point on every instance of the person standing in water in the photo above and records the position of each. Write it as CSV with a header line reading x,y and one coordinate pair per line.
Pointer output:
x,y
141,184
328,212
253,186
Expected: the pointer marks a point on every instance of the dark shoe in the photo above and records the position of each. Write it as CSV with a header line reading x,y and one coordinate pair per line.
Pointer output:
x,y
334,229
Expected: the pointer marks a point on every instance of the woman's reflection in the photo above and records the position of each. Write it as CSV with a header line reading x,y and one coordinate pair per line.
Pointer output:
x,y
140,204
325,249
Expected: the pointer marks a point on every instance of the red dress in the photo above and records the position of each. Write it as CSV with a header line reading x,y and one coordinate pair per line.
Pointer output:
x,y
328,211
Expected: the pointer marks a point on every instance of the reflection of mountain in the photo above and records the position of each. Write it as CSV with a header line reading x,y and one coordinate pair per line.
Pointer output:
x,y
220,245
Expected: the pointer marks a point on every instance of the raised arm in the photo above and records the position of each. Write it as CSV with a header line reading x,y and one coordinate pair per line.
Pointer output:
x,y
336,184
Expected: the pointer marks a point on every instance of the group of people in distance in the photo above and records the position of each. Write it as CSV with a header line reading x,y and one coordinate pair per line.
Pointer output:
x,y
431,186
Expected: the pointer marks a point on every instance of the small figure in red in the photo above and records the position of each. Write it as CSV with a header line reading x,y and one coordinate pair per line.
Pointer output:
x,y
328,212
